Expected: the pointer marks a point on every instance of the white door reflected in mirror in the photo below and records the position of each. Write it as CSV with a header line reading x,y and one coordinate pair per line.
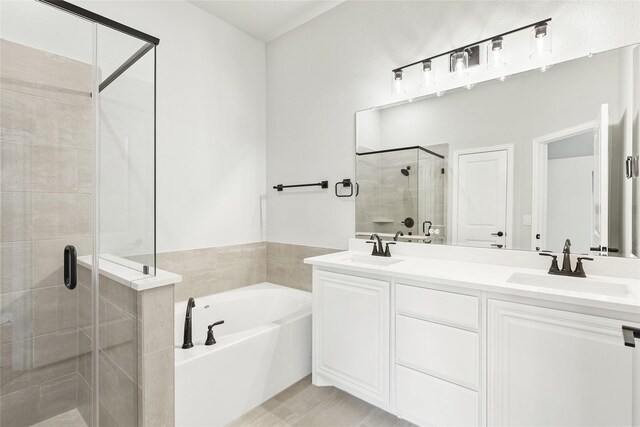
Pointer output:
x,y
569,176
481,202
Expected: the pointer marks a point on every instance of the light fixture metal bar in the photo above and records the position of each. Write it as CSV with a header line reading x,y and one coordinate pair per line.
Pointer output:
x,y
471,44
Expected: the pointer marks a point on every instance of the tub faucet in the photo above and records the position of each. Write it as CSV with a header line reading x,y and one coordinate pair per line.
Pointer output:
x,y
210,338
188,342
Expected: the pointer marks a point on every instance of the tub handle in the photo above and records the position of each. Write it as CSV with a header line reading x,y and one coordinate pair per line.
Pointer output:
x,y
210,339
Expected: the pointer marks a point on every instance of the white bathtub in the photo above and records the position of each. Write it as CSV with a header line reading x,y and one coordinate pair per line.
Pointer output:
x,y
263,347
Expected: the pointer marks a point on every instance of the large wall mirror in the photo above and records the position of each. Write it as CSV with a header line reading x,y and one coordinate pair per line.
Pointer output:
x,y
519,163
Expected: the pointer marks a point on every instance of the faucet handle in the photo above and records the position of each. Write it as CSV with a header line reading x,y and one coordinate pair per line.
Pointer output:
x,y
554,262
387,252
210,339
375,247
579,271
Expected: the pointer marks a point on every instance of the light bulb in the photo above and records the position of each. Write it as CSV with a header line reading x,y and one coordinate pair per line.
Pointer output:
x,y
428,75
398,82
495,53
540,40
459,63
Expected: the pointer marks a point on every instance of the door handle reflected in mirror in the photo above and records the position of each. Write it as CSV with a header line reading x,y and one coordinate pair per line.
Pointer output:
x,y
499,234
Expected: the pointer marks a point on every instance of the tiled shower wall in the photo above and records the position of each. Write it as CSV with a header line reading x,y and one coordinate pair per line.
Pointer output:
x,y
46,203
387,197
136,354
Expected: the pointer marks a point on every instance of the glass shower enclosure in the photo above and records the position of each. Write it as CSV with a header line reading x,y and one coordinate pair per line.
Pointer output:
x,y
77,186
401,190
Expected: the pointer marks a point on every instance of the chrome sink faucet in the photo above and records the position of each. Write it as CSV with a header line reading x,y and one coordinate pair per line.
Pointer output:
x,y
566,262
378,248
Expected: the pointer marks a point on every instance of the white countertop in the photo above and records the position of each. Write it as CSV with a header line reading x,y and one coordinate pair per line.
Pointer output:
x,y
129,273
496,279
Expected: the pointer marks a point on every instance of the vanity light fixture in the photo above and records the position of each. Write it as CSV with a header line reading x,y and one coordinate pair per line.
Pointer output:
x,y
540,40
398,83
496,57
428,75
495,53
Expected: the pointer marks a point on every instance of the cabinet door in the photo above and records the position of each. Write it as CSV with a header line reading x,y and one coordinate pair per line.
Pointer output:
x,y
351,334
556,368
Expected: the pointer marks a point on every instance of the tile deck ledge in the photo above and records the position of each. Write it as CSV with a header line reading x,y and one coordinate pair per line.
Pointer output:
x,y
129,273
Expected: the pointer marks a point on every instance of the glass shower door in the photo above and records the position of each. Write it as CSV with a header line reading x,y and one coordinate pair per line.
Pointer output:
x,y
77,184
47,205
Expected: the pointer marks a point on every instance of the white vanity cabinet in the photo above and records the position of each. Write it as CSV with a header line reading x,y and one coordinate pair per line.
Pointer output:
x,y
449,355
552,367
351,335
437,356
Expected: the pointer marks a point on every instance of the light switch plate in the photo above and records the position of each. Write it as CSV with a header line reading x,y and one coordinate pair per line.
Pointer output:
x,y
526,219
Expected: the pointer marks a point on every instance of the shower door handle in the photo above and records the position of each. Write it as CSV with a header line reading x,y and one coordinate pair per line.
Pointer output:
x,y
70,267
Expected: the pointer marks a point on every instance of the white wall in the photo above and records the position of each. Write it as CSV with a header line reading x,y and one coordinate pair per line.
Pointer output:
x,y
320,74
211,129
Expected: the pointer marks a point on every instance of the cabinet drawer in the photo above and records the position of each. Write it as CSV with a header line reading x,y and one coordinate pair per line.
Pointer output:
x,y
446,352
427,400
436,305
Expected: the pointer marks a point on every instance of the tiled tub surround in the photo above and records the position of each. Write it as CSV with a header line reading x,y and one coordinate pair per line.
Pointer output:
x,y
285,264
136,347
212,270
45,191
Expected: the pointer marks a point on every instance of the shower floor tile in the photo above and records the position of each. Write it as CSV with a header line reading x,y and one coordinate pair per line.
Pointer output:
x,y
305,405
70,418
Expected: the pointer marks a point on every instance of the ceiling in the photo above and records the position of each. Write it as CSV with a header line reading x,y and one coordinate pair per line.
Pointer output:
x,y
266,20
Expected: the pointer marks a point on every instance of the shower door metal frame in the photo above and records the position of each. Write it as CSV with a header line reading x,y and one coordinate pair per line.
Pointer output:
x,y
94,17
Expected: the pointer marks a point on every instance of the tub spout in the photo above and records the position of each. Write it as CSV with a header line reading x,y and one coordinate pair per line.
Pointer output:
x,y
188,342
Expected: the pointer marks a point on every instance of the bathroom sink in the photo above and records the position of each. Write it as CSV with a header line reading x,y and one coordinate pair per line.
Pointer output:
x,y
371,260
571,284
